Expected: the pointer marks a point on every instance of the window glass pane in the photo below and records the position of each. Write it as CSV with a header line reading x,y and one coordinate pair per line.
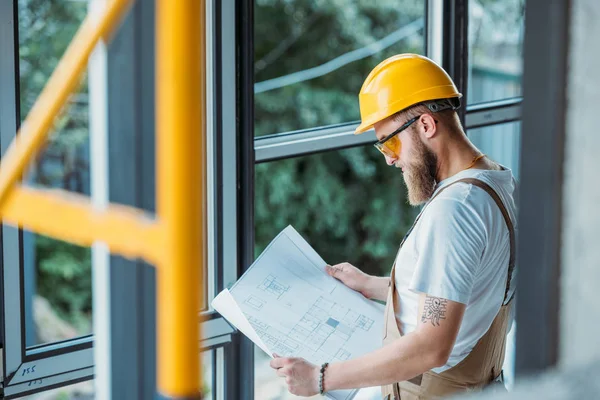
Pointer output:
x,y
78,391
502,143
348,204
311,57
57,274
207,360
496,30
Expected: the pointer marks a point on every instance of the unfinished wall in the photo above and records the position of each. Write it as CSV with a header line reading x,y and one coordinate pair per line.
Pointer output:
x,y
580,267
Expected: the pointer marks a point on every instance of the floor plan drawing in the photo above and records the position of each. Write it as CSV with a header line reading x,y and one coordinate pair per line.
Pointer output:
x,y
288,305
255,302
273,286
325,329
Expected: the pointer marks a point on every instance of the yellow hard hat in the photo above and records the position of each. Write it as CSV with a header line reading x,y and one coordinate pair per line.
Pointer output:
x,y
399,82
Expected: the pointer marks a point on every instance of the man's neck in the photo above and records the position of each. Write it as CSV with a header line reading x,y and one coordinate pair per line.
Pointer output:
x,y
456,156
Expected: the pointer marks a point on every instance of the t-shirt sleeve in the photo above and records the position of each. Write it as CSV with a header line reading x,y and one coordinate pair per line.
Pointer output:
x,y
450,243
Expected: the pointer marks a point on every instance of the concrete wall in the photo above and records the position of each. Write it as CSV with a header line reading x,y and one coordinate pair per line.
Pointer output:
x,y
580,268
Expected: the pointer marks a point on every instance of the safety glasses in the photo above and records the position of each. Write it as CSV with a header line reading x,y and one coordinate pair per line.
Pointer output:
x,y
390,145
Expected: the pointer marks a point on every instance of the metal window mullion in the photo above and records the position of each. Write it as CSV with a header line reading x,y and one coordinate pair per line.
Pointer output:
x,y
237,15
39,369
310,141
215,330
456,47
48,383
98,115
434,32
211,175
131,181
493,113
58,348
13,335
228,149
147,192
275,147
226,196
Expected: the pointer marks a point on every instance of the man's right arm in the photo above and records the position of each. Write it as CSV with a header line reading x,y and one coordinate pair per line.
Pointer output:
x,y
372,287
378,287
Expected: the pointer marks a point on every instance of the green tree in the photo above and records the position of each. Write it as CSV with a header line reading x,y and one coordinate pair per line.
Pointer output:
x,y
45,30
63,270
348,203
64,277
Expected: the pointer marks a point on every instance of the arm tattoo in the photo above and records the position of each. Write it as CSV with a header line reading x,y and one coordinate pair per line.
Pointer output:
x,y
434,310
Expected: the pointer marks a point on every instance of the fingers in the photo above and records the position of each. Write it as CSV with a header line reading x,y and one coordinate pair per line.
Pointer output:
x,y
278,362
329,270
335,270
281,366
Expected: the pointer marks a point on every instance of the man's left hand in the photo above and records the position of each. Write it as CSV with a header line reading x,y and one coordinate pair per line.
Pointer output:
x,y
301,377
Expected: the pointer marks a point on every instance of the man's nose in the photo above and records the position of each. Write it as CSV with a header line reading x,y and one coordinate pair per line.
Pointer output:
x,y
390,161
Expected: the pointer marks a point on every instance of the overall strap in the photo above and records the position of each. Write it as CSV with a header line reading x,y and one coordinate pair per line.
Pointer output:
x,y
436,194
509,225
511,230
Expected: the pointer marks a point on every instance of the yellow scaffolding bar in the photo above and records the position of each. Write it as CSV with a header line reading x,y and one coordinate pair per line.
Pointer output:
x,y
71,217
180,125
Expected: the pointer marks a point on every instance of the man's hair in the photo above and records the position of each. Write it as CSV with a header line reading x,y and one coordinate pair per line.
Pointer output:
x,y
448,117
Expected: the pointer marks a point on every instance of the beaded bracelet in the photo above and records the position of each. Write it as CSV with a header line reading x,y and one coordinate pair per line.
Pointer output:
x,y
322,378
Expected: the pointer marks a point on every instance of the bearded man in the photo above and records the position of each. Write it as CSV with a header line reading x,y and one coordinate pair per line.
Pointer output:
x,y
450,290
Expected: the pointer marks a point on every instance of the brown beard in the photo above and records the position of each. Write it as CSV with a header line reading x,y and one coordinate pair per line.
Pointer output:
x,y
420,175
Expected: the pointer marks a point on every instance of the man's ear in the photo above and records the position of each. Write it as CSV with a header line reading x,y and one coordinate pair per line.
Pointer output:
x,y
429,125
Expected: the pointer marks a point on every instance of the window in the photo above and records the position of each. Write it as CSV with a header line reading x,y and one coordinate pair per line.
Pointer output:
x,y
311,58
496,30
57,275
324,196
34,362
502,143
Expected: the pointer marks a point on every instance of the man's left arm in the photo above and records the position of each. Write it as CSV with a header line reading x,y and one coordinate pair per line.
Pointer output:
x,y
427,347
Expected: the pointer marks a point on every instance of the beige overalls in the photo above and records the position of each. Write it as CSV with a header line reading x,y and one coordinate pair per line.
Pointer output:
x,y
483,365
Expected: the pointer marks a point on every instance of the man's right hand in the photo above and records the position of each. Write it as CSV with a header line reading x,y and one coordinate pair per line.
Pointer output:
x,y
372,287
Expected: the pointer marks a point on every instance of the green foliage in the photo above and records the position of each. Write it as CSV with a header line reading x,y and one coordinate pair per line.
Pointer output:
x,y
63,270
45,30
348,204
295,35
65,279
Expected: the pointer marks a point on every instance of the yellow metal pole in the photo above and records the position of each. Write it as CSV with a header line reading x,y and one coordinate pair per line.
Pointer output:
x,y
61,84
180,192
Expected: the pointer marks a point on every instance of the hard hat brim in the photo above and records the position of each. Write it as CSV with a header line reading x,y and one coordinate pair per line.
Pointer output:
x,y
362,128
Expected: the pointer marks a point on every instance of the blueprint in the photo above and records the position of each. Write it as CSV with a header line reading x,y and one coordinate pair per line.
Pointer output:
x,y
287,304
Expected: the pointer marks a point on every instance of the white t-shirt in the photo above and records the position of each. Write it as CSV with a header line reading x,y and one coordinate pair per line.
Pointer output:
x,y
459,250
